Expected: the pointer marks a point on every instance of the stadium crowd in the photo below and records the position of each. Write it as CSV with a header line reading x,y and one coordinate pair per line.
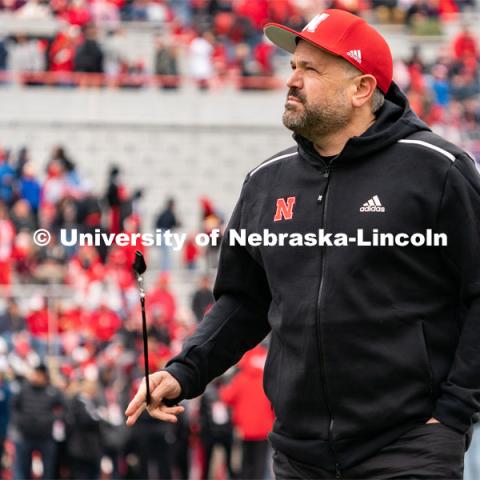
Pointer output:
x,y
70,359
221,37
223,42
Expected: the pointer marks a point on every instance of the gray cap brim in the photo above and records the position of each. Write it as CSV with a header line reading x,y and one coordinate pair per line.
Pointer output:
x,y
281,36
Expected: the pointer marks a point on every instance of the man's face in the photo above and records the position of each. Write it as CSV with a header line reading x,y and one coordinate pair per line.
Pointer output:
x,y
317,100
38,378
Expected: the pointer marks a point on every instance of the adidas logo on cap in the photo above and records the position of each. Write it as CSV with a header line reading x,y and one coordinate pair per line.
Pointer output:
x,y
356,55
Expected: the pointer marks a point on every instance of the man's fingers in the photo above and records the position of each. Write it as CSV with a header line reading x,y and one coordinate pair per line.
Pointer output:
x,y
167,414
173,410
161,412
133,416
138,399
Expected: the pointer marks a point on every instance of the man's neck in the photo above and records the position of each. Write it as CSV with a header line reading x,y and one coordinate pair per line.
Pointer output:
x,y
333,144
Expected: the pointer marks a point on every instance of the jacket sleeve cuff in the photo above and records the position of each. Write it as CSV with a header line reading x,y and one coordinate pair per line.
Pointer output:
x,y
454,413
180,373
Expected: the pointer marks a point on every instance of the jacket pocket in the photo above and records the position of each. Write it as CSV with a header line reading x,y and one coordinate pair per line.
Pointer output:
x,y
426,356
272,370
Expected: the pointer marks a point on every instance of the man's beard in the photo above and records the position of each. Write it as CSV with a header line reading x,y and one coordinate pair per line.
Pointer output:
x,y
314,121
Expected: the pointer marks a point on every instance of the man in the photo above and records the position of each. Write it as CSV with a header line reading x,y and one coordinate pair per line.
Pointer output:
x,y
34,410
166,221
373,364
202,299
251,412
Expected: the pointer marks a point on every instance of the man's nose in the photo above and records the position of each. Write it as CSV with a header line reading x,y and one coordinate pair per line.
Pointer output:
x,y
295,80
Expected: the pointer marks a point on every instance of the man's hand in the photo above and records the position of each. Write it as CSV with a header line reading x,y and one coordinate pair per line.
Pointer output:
x,y
433,420
162,385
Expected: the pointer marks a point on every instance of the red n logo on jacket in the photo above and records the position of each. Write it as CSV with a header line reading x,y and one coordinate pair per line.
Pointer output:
x,y
284,209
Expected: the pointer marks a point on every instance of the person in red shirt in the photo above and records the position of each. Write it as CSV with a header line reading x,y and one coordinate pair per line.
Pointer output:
x,y
62,51
84,267
37,319
465,44
103,323
263,53
77,13
7,238
256,11
161,297
252,414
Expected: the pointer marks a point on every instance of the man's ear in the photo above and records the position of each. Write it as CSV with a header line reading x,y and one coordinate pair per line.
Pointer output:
x,y
365,86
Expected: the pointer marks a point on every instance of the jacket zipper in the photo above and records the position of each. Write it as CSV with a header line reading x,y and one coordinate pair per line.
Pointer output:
x,y
323,198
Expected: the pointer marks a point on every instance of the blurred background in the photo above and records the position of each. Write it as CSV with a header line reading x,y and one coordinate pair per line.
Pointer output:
x,y
136,115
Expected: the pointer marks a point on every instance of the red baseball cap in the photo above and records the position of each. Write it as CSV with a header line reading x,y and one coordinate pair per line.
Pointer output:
x,y
345,35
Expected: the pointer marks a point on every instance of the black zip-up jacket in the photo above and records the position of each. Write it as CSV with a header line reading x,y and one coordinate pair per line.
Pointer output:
x,y
366,342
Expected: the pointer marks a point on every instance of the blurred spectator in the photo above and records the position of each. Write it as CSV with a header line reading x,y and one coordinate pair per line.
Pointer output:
x,y
182,10
166,222
422,17
257,12
22,356
105,14
212,222
51,262
89,55
76,13
157,12
201,59
139,10
59,154
7,178
440,85
102,324
29,187
39,322
464,86
4,408
11,320
84,443
161,298
465,44
3,57
34,409
25,55
216,428
252,412
159,328
202,299
84,268
33,9
166,63
115,46
150,446
115,197
263,53
22,216
55,187
23,158
190,253
61,54
7,238
401,74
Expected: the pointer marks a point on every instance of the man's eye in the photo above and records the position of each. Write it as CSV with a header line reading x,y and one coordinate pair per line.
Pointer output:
x,y
311,68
